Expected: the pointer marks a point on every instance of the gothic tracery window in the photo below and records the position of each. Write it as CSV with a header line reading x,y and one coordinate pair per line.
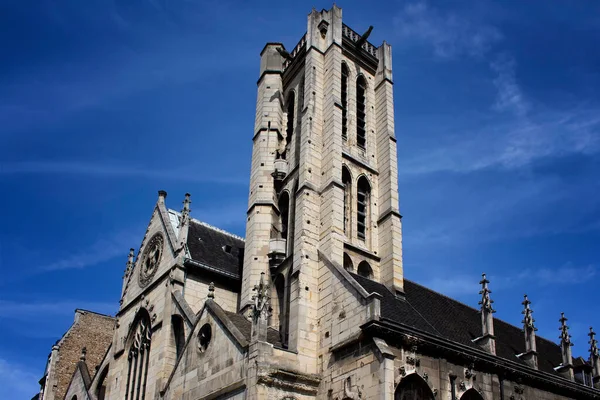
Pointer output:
x,y
361,125
138,357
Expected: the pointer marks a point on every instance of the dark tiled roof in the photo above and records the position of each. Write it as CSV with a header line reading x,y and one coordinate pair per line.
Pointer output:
x,y
245,327
206,245
439,315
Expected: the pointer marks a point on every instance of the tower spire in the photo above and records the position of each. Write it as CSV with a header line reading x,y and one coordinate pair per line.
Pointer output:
x,y
594,355
487,339
530,355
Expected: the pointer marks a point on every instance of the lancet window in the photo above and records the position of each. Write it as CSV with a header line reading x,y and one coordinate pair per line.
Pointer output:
x,y
344,90
347,182
363,194
361,125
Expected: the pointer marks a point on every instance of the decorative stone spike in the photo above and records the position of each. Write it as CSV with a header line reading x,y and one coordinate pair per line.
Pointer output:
x,y
487,339
566,368
211,290
530,354
185,212
594,355
129,266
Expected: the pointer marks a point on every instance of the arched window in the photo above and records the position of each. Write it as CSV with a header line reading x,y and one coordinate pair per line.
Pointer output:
x,y
284,207
347,182
471,394
344,90
364,269
348,266
290,117
363,194
138,356
361,125
178,334
413,387
74,397
101,387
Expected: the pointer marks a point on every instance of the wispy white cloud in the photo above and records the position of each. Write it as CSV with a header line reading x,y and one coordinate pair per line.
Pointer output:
x,y
109,169
103,249
509,144
25,311
509,96
450,35
567,274
17,381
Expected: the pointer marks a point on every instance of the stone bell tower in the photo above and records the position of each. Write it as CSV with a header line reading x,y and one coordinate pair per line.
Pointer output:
x,y
323,185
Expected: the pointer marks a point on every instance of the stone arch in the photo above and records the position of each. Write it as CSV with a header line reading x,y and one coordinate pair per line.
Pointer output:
x,y
471,394
413,387
364,269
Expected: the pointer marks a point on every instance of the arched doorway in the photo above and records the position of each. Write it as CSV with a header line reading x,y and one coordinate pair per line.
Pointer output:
x,y
413,387
471,394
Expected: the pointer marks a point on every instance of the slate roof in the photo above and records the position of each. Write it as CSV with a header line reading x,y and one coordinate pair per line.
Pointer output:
x,y
439,315
206,245
245,327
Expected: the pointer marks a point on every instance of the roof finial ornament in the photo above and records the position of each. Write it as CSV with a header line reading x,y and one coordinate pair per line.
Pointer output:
x,y
185,212
565,338
129,265
566,368
594,354
83,354
530,354
211,290
487,339
486,301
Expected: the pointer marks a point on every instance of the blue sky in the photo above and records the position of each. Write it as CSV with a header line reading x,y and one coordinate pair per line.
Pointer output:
x,y
104,102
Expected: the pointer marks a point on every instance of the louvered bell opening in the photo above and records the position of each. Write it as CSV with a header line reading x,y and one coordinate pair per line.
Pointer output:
x,y
344,102
361,138
361,214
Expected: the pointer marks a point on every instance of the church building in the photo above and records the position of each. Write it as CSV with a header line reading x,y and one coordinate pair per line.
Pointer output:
x,y
313,303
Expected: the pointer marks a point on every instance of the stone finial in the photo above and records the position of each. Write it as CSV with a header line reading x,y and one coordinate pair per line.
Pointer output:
x,y
185,212
211,290
594,353
565,338
530,355
486,301
162,195
486,340
129,265
566,368
83,354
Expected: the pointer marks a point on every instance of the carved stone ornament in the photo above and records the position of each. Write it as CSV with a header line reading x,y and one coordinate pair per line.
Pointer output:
x,y
151,259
